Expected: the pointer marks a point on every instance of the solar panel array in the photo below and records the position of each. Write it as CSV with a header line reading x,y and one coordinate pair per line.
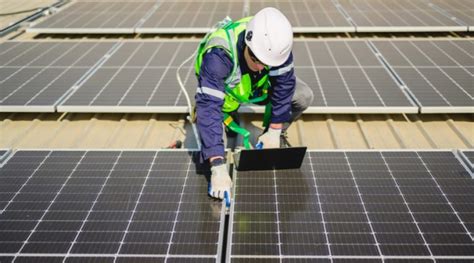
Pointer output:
x,y
131,206
439,74
190,16
34,76
397,16
107,206
152,206
305,15
366,205
308,15
140,76
96,17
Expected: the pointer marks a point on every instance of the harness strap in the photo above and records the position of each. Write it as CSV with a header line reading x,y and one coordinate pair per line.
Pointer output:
x,y
232,125
267,115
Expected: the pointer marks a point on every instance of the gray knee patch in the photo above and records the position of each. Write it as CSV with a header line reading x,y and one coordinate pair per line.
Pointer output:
x,y
303,96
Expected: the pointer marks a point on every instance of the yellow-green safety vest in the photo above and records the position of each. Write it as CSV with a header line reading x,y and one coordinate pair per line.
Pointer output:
x,y
238,87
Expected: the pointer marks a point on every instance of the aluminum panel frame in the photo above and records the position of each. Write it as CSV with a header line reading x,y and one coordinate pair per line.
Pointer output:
x,y
122,109
27,108
81,30
454,109
204,30
405,29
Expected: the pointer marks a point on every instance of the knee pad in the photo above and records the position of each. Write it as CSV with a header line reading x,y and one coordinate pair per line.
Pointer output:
x,y
303,98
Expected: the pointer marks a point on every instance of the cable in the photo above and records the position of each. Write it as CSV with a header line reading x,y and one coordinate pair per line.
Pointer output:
x,y
23,11
188,100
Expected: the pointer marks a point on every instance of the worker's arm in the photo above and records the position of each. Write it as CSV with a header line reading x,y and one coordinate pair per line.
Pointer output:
x,y
215,68
283,82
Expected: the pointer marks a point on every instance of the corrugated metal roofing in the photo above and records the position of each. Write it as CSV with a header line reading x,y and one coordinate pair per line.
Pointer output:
x,y
23,130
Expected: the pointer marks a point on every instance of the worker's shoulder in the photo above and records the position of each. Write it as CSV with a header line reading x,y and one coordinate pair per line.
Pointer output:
x,y
217,61
217,53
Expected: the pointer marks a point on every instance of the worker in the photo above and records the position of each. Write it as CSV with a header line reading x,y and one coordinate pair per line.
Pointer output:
x,y
249,60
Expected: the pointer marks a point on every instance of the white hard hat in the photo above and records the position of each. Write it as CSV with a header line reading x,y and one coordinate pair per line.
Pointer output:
x,y
270,37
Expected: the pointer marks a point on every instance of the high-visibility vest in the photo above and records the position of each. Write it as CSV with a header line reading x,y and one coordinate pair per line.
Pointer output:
x,y
238,87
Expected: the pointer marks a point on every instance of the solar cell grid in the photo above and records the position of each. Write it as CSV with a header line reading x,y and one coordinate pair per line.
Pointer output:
x,y
308,16
107,206
96,17
35,75
190,16
461,10
397,16
347,76
438,73
342,205
198,16
140,76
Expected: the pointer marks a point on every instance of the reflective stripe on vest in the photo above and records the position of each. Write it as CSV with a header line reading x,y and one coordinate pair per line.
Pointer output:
x,y
213,92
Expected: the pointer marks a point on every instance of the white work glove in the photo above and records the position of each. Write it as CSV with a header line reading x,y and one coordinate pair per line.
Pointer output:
x,y
270,139
220,182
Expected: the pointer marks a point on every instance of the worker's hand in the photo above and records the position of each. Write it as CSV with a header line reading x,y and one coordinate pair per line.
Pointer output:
x,y
220,182
270,139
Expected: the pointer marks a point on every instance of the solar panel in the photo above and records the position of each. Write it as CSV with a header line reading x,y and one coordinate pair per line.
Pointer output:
x,y
347,76
35,75
107,206
190,16
96,17
439,73
460,10
308,15
398,16
343,206
138,77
